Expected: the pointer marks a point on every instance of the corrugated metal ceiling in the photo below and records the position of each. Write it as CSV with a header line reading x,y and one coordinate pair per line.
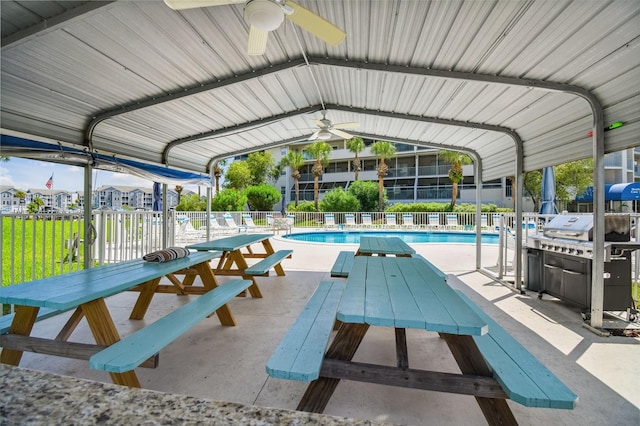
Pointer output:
x,y
118,57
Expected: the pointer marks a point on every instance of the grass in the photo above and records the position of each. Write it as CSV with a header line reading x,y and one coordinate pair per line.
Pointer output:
x,y
34,249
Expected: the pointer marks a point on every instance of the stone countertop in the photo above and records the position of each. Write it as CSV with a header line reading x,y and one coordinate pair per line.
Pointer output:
x,y
32,397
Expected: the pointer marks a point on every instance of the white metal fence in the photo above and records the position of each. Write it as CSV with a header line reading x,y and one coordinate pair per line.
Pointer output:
x,y
39,245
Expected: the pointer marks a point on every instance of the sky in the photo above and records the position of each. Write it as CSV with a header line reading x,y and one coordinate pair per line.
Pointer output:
x,y
26,174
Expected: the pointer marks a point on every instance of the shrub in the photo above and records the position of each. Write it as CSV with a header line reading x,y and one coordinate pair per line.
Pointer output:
x,y
337,200
262,197
228,200
191,203
367,194
303,206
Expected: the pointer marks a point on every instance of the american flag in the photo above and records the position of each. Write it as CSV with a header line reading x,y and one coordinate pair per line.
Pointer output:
x,y
49,183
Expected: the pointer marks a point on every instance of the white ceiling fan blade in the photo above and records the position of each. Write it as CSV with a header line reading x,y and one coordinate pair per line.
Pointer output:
x,y
316,25
257,43
191,4
319,123
314,136
350,125
340,133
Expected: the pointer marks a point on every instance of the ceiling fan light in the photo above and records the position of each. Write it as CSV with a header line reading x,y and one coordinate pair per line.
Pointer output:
x,y
264,15
324,134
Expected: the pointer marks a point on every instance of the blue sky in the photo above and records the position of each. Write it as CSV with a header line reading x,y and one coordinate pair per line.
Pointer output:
x,y
29,174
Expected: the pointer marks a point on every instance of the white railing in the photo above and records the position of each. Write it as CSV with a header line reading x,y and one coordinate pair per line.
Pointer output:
x,y
40,245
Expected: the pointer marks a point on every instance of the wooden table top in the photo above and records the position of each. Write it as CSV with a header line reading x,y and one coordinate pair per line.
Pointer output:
x,y
232,243
404,292
384,245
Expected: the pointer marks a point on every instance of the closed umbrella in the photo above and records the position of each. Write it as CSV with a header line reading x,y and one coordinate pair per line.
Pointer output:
x,y
548,192
157,197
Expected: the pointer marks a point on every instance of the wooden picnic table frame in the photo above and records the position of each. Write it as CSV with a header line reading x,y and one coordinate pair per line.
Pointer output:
x,y
382,246
233,261
406,293
86,291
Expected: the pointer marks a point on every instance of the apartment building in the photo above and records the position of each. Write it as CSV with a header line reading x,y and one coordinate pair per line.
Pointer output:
x,y
416,174
107,196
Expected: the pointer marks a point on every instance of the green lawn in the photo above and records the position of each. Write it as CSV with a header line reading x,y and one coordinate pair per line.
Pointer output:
x,y
40,243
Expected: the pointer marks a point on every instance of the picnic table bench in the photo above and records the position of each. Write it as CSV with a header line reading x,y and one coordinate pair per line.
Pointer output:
x,y
233,261
86,290
370,245
410,293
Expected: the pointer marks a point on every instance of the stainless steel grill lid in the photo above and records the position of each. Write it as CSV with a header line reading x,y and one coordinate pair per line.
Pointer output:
x,y
580,227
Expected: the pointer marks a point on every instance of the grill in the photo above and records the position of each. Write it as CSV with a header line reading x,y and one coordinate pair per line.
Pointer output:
x,y
559,262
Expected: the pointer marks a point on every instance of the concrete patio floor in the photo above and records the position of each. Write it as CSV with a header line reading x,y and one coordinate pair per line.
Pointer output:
x,y
228,363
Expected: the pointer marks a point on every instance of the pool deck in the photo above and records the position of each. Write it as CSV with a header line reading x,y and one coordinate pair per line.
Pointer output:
x,y
603,371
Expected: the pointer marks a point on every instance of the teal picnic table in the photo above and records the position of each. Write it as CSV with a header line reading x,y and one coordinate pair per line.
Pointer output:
x,y
410,293
233,260
403,293
85,292
383,246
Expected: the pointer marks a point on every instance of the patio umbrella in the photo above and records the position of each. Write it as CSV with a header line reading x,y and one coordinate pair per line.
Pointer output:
x,y
548,192
157,197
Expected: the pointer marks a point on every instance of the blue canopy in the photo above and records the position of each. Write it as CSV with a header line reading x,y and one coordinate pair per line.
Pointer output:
x,y
617,192
13,146
548,192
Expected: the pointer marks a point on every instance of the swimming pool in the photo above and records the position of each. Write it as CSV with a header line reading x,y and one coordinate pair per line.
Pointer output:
x,y
353,237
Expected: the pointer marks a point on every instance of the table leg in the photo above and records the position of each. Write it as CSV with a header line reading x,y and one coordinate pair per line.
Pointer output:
x,y
402,355
467,355
343,347
209,281
268,248
144,299
70,325
22,324
237,257
105,333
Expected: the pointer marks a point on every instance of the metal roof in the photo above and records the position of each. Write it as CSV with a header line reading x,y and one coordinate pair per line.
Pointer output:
x,y
137,79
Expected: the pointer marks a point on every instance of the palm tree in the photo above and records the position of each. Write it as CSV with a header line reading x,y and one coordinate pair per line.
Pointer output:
x,y
457,160
383,150
179,190
295,160
217,172
355,145
319,150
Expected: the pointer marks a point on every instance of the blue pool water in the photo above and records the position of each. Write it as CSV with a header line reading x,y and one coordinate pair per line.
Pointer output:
x,y
353,237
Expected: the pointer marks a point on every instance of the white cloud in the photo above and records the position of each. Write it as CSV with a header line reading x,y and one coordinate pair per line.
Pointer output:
x,y
5,177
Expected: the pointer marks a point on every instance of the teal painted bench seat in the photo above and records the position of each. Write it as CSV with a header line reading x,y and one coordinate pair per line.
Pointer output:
x,y
134,349
343,263
524,379
300,354
267,263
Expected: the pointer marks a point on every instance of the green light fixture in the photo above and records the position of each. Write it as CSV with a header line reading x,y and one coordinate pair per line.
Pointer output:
x,y
615,125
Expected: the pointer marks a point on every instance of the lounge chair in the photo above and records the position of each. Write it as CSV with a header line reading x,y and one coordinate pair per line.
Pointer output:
x,y
366,221
452,221
250,224
484,222
391,220
407,221
329,221
350,220
186,232
231,223
434,221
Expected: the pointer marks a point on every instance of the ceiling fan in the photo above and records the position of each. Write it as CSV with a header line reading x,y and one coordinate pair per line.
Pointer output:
x,y
327,130
264,16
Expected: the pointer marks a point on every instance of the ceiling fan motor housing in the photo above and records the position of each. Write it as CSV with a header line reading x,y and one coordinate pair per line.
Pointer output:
x,y
264,14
